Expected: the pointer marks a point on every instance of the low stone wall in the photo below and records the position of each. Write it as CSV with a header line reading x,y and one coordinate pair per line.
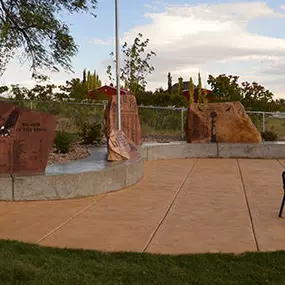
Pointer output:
x,y
86,182
94,175
212,150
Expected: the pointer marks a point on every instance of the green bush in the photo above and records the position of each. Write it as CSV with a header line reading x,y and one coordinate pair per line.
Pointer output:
x,y
91,133
63,141
269,136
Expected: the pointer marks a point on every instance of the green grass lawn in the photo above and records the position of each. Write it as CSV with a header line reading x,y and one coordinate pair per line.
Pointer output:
x,y
31,264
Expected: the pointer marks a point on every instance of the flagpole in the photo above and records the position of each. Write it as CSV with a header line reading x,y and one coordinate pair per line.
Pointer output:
x,y
118,66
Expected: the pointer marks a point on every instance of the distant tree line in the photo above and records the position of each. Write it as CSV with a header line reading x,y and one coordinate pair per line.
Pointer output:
x,y
74,90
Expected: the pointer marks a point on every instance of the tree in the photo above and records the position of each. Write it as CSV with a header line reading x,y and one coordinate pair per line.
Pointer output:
x,y
84,76
169,77
200,99
41,92
191,91
180,86
252,95
256,98
75,89
93,81
225,88
4,89
34,28
136,65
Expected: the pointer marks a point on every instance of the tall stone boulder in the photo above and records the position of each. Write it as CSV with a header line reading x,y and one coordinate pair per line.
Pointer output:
x,y
129,118
227,121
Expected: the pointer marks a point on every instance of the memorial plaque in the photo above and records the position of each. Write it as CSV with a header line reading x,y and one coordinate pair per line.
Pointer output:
x,y
26,139
129,117
120,147
225,122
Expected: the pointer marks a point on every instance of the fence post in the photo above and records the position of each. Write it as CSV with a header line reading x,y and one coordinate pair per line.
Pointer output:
x,y
31,104
182,123
263,121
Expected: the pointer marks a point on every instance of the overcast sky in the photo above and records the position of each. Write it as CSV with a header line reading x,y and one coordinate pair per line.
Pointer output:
x,y
213,37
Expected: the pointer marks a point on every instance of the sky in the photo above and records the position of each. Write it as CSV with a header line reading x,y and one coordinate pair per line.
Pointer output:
x,y
244,38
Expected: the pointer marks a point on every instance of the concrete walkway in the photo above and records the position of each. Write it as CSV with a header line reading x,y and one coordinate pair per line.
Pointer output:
x,y
180,206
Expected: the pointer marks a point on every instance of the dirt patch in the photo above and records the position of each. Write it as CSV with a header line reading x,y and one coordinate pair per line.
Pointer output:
x,y
77,151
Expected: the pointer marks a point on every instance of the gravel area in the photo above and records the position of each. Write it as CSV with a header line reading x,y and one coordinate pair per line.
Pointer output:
x,y
77,151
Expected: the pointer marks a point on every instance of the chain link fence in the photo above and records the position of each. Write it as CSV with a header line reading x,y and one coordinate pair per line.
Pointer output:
x,y
158,123
162,122
68,114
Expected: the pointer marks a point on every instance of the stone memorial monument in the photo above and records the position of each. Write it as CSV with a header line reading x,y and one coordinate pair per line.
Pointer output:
x,y
26,138
120,147
221,122
129,117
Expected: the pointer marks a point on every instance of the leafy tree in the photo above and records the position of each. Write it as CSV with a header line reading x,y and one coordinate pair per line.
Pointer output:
x,y
34,28
84,76
76,90
18,93
255,97
42,92
200,99
281,103
191,91
136,65
4,89
169,83
252,95
93,81
225,88
160,98
180,86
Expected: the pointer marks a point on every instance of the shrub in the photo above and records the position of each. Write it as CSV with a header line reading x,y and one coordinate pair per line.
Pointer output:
x,y
269,136
91,133
63,141
89,125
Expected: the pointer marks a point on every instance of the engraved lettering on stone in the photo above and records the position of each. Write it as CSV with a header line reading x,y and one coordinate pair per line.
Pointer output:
x,y
30,139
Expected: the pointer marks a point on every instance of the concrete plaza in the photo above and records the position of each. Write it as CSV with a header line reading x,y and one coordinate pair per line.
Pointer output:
x,y
180,206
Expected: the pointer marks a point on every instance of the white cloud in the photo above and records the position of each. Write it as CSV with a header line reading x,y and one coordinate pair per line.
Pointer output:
x,y
188,38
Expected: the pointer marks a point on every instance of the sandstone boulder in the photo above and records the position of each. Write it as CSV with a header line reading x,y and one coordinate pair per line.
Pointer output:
x,y
129,117
231,123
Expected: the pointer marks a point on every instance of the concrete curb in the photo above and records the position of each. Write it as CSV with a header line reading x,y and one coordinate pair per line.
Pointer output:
x,y
71,185
212,150
83,178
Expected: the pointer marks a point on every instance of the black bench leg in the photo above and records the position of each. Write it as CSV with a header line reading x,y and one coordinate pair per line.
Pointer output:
x,y
282,206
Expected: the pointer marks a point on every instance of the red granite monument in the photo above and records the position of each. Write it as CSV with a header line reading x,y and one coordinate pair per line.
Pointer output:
x,y
129,117
123,144
26,139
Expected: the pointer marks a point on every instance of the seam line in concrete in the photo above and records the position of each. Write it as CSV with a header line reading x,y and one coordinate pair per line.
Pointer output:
x,y
69,220
147,150
169,208
280,163
248,207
